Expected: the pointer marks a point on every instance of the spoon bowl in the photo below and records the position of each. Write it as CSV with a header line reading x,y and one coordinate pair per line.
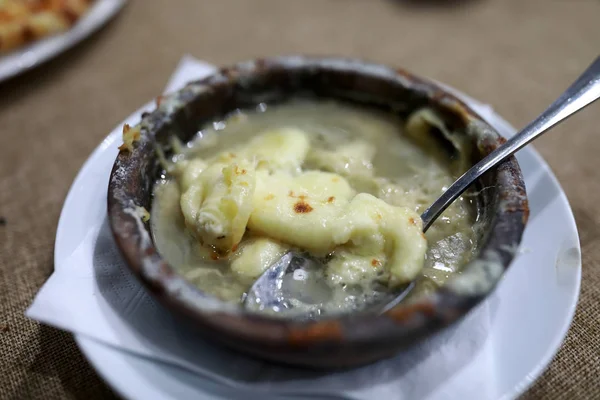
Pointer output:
x,y
296,284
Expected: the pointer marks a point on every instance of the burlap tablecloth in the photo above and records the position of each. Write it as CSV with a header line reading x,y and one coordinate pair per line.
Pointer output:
x,y
516,55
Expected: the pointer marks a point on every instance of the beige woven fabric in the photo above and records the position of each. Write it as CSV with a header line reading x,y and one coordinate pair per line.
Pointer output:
x,y
517,55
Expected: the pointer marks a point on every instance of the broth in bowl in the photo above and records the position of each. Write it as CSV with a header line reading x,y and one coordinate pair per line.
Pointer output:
x,y
343,183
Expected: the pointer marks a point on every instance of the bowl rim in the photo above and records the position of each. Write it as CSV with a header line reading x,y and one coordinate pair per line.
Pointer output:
x,y
404,321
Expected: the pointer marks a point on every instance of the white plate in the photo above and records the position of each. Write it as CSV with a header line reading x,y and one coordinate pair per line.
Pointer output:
x,y
22,59
532,308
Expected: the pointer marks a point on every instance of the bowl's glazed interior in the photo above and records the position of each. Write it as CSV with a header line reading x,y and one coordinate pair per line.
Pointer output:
x,y
330,342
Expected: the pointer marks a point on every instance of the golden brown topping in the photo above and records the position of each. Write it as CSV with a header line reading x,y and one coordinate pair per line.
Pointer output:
x,y
412,221
130,135
301,207
331,199
239,171
375,262
302,197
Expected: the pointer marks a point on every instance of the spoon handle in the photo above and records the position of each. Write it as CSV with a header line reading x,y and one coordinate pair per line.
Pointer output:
x,y
585,90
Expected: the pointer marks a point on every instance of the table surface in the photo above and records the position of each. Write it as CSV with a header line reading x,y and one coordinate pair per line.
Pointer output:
x,y
515,55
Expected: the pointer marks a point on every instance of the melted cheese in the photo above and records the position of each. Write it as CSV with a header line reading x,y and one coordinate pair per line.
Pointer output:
x,y
218,203
275,151
255,256
189,172
300,210
354,158
262,187
388,235
278,150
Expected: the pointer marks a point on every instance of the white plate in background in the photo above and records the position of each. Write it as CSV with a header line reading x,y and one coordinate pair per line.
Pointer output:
x,y
33,54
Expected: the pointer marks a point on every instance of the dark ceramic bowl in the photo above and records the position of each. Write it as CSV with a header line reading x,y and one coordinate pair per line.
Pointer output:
x,y
330,343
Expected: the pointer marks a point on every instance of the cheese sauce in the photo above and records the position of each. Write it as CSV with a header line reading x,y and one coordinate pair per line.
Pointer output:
x,y
379,158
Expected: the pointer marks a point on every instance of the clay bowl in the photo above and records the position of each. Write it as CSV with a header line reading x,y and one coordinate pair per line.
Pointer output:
x,y
344,341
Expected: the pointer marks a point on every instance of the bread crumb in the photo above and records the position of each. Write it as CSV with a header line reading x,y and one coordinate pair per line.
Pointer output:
x,y
130,136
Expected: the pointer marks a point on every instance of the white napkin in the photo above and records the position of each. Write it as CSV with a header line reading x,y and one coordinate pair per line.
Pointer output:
x,y
92,293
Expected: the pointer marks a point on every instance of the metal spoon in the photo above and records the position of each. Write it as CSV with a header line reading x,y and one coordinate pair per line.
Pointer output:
x,y
270,290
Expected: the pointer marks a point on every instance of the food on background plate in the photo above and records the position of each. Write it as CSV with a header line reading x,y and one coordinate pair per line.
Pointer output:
x,y
345,184
26,21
